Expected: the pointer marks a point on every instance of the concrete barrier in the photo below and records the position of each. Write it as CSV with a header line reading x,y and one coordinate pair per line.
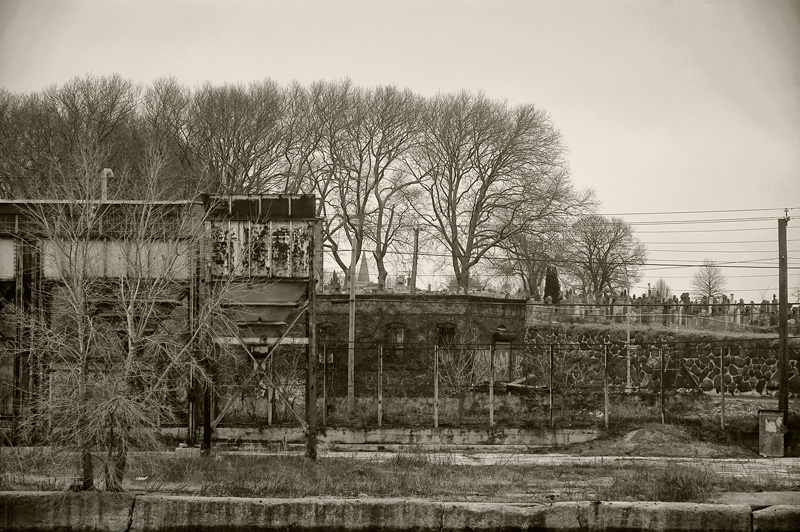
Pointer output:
x,y
114,512
652,516
39,510
445,437
777,518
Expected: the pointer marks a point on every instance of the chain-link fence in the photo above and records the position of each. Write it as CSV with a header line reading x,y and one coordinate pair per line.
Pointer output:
x,y
520,385
544,385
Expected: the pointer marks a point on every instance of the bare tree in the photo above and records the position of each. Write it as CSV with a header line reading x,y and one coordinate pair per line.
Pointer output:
x,y
605,254
237,142
527,255
663,290
709,281
303,167
489,172
106,329
86,119
163,134
366,133
394,123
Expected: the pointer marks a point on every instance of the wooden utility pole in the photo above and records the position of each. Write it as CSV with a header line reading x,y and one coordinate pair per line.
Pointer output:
x,y
414,261
783,316
207,289
351,335
311,361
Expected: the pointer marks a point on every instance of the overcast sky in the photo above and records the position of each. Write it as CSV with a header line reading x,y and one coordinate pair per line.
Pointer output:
x,y
664,106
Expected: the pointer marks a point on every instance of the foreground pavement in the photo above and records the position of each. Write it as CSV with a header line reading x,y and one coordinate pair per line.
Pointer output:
x,y
127,512
783,471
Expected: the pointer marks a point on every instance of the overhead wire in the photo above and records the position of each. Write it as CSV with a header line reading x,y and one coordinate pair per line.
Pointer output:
x,y
668,264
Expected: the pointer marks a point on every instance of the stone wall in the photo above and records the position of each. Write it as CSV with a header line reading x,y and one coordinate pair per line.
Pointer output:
x,y
408,368
691,361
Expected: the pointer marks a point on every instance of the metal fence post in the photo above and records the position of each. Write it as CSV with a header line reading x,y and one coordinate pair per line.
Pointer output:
x,y
491,386
722,385
325,383
605,385
436,387
551,385
662,386
380,385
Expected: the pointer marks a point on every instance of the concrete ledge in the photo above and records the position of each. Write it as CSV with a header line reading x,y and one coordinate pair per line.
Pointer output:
x,y
40,510
153,514
653,516
107,512
777,518
443,436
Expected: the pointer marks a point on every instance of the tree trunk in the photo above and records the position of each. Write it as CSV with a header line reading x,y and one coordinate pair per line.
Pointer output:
x,y
88,470
382,273
115,470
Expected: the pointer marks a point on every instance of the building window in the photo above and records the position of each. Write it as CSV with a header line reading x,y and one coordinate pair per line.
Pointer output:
x,y
396,339
445,335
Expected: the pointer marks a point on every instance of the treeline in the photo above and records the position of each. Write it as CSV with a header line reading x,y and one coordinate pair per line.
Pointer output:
x,y
486,182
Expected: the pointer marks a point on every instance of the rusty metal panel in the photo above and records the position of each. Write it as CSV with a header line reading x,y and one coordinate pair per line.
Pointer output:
x,y
220,250
236,234
261,237
277,249
259,246
6,258
281,233
301,247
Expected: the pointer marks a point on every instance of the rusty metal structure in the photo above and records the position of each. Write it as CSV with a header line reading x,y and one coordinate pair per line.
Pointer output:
x,y
259,255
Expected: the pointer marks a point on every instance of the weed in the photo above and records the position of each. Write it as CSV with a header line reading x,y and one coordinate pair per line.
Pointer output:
x,y
673,484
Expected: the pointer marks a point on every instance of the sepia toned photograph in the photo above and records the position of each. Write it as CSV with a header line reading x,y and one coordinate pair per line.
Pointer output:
x,y
443,265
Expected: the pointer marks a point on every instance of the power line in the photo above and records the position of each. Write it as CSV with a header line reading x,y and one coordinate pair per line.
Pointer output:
x,y
673,242
707,251
700,221
698,212
771,228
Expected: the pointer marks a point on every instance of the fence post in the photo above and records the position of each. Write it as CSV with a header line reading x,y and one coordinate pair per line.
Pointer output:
x,y
722,385
605,384
380,385
491,386
662,386
325,383
551,385
270,392
436,387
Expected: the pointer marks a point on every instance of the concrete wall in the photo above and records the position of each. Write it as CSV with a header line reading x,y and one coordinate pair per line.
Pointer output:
x,y
423,437
408,369
29,511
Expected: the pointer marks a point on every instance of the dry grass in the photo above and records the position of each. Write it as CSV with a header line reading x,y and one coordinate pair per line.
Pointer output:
x,y
414,474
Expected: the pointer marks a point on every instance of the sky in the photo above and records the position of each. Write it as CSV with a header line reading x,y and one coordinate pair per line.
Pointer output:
x,y
672,111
